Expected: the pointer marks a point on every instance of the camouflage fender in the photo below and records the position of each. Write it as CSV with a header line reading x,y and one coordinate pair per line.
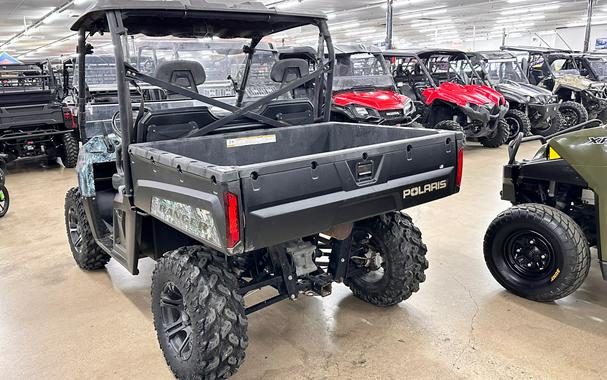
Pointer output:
x,y
95,151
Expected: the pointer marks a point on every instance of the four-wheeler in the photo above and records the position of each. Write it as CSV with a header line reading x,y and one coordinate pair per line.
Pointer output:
x,y
447,98
581,99
533,109
267,193
4,197
364,90
539,248
33,120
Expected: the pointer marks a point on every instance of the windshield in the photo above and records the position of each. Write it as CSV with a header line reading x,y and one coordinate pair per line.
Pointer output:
x,y
361,70
507,70
598,65
223,65
564,66
451,68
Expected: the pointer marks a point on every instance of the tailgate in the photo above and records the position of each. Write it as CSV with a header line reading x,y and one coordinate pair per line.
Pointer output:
x,y
303,197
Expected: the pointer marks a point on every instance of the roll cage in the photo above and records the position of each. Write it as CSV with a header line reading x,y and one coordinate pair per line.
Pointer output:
x,y
251,21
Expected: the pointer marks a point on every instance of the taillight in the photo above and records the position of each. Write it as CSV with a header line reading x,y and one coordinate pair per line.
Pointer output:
x,y
230,202
460,167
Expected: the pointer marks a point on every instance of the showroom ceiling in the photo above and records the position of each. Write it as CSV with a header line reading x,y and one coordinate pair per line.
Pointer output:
x,y
39,28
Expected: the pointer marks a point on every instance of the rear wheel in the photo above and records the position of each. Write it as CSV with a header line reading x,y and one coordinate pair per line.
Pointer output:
x,y
498,137
69,151
86,252
537,252
198,314
390,251
549,127
518,122
4,200
573,114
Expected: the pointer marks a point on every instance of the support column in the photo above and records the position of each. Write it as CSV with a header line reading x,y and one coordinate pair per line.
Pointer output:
x,y
389,23
588,25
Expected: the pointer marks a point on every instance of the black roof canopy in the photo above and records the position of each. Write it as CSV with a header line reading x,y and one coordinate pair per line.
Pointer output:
x,y
193,18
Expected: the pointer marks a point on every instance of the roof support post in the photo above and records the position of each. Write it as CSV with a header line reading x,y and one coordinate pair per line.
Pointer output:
x,y
389,23
588,25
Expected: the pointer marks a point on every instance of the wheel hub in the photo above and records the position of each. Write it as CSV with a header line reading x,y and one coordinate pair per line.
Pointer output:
x,y
176,322
74,227
529,254
513,126
365,254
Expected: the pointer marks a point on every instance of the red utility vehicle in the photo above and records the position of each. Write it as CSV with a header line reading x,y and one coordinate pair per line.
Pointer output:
x,y
449,94
365,91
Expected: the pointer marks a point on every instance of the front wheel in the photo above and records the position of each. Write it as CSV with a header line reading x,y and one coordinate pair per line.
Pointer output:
x,y
392,256
4,200
86,252
518,122
198,313
537,252
549,127
498,137
573,114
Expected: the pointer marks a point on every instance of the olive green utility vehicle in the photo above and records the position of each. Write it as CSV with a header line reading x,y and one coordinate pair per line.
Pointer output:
x,y
540,248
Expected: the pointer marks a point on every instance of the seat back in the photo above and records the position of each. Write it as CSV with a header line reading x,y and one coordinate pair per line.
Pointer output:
x,y
186,74
288,70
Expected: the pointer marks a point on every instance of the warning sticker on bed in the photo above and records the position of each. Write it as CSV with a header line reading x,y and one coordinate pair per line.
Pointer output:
x,y
251,140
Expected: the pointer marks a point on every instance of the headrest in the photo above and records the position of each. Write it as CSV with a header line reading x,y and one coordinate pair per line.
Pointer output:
x,y
288,70
178,72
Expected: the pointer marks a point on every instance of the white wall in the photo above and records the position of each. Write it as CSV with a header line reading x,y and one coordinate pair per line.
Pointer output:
x,y
573,36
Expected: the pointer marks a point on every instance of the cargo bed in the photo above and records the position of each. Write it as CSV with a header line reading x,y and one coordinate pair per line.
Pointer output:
x,y
295,181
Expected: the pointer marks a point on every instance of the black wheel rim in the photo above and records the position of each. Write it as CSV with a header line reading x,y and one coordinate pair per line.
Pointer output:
x,y
74,229
514,127
367,253
570,117
530,256
176,325
4,201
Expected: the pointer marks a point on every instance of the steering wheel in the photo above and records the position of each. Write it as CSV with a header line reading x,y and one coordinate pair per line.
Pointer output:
x,y
455,79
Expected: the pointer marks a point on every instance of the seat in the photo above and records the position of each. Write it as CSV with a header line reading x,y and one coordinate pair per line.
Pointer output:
x,y
186,74
288,70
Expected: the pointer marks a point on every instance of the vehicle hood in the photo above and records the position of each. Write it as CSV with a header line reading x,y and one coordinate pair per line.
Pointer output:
x,y
520,92
578,82
381,100
464,94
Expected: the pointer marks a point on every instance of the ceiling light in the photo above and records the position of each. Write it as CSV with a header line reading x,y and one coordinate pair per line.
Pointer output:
x,y
52,17
347,25
362,31
422,14
78,2
287,4
543,7
517,19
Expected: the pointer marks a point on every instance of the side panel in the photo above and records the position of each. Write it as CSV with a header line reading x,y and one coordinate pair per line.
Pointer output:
x,y
586,151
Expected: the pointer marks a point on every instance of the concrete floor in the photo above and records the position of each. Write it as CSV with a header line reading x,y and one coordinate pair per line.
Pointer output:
x,y
58,322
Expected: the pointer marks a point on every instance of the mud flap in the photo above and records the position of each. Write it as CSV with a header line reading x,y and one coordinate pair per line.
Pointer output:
x,y
125,222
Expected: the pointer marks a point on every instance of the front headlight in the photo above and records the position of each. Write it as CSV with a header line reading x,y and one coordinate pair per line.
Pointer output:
x,y
360,112
408,107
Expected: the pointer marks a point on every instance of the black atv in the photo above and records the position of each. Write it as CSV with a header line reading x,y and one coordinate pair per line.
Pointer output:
x,y
539,248
533,109
557,71
33,119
